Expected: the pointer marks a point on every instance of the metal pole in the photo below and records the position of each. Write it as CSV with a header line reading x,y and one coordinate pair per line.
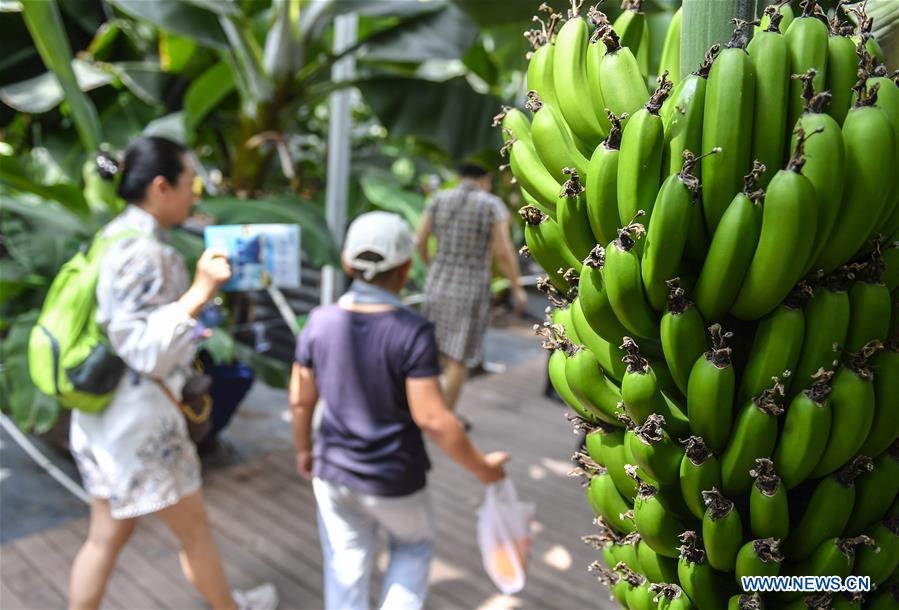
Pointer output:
x,y
339,151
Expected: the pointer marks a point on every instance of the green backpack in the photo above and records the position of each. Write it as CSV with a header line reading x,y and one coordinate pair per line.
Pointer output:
x,y
69,357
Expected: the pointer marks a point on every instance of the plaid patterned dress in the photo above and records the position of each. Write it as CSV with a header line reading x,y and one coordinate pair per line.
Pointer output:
x,y
457,290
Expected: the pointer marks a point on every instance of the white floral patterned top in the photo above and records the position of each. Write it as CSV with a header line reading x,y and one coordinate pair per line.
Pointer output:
x,y
136,452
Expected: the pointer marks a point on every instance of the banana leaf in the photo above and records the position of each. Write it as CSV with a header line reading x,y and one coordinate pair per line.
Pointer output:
x,y
46,28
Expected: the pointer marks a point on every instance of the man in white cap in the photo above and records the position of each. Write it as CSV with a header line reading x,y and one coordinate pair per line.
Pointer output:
x,y
374,364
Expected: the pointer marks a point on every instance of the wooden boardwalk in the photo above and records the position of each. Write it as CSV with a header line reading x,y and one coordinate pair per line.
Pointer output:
x,y
263,515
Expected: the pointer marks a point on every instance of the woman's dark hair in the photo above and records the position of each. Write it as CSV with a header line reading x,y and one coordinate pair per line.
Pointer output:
x,y
145,158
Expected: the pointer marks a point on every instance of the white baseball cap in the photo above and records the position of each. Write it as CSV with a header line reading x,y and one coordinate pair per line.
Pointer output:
x,y
383,234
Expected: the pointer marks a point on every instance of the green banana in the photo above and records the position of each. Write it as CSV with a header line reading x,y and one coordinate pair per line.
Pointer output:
x,y
638,595
623,85
595,299
754,436
869,142
769,511
722,530
556,373
613,581
640,159
667,235
569,73
786,13
593,442
552,139
670,597
656,520
514,124
888,101
785,243
842,69
828,510
607,502
572,216
730,253
606,354
885,427
654,451
614,457
631,24
706,587
880,561
670,58
833,557
886,599
769,56
710,392
683,335
624,284
743,601
806,428
588,383
699,471
775,346
642,395
682,115
826,324
540,65
891,262
657,568
596,51
807,41
869,302
875,491
824,163
545,243
601,183
758,558
531,174
727,123
852,411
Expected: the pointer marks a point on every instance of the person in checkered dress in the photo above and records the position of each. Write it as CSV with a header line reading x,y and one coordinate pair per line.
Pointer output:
x,y
470,226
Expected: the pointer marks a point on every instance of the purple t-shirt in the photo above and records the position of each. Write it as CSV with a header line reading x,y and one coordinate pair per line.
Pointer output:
x,y
368,440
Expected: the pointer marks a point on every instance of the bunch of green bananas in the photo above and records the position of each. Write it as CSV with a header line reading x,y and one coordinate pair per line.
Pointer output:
x,y
725,326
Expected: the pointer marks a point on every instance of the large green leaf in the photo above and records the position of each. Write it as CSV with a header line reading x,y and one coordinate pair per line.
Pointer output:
x,y
29,407
187,19
444,34
48,216
247,58
450,115
169,126
144,79
205,93
383,190
15,279
15,175
175,52
46,28
42,93
490,14
316,239
42,254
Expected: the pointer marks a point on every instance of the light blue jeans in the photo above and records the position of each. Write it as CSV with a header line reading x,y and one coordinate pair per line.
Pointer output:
x,y
348,522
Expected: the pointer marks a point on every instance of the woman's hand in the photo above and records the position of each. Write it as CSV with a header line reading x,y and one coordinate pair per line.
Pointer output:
x,y
213,270
304,464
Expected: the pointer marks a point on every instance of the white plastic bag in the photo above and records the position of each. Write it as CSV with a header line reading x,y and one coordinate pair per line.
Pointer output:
x,y
504,536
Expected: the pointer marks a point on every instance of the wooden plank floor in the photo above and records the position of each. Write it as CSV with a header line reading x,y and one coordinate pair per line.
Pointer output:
x,y
263,516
